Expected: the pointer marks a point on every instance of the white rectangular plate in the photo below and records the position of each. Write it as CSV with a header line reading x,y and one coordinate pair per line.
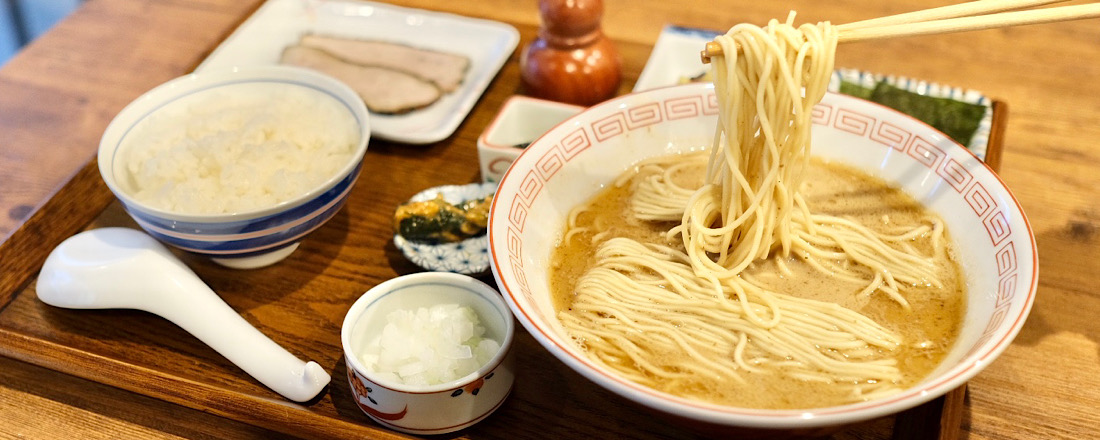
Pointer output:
x,y
280,23
675,57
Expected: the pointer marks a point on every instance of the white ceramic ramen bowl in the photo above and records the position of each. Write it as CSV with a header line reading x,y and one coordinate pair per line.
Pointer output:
x,y
247,238
582,155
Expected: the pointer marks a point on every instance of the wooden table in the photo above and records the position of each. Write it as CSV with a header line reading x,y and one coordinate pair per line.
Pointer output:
x,y
58,95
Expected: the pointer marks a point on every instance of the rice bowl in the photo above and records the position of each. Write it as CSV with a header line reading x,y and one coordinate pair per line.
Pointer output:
x,y
243,235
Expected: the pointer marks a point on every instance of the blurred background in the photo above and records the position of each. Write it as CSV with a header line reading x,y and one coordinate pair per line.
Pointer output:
x,y
23,20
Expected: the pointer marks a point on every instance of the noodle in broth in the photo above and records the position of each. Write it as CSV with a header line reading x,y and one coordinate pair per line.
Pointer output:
x,y
750,286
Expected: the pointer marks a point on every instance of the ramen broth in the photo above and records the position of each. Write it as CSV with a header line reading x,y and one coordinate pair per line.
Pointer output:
x,y
927,330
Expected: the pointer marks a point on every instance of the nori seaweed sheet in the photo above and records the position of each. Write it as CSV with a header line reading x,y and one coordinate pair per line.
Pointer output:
x,y
958,120
853,89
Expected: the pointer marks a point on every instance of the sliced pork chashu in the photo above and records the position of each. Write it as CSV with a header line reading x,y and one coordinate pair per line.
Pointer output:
x,y
384,90
444,69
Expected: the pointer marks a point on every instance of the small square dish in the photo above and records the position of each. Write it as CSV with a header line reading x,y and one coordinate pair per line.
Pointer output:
x,y
521,120
964,115
280,23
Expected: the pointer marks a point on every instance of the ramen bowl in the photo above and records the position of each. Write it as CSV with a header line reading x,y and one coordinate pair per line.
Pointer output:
x,y
210,103
584,154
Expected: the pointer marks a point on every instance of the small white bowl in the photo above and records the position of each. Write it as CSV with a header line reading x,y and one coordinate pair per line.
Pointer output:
x,y
435,409
245,239
521,120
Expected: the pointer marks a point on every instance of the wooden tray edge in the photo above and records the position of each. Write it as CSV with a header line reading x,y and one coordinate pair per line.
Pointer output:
x,y
995,150
69,209
246,408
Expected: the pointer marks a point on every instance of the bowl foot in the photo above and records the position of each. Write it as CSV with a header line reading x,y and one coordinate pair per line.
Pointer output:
x,y
257,261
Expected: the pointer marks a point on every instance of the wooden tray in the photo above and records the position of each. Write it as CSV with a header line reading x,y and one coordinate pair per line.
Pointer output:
x,y
301,302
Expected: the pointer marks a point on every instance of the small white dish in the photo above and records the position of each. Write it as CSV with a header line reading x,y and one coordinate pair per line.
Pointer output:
x,y
433,409
280,23
469,256
675,56
521,120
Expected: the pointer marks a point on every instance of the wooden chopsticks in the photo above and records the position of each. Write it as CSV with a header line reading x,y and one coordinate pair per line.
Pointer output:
x,y
971,8
971,16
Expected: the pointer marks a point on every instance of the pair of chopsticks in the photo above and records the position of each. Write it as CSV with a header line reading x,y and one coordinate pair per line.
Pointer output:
x,y
970,16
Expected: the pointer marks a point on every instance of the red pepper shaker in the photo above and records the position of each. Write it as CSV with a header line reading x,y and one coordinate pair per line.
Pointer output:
x,y
571,60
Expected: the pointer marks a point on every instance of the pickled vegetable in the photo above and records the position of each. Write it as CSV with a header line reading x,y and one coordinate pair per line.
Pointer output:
x,y
439,221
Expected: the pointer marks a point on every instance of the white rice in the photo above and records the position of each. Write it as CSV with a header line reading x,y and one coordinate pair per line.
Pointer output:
x,y
239,148
429,346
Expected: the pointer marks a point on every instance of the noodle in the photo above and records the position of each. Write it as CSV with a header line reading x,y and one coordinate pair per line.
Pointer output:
x,y
661,314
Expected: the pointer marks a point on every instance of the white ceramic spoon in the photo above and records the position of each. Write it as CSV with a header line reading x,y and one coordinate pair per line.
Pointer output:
x,y
113,268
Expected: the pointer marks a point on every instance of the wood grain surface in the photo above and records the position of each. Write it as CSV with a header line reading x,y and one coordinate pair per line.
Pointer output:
x,y
58,95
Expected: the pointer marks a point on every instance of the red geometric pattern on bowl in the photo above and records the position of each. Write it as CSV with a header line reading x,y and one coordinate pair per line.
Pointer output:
x,y
822,114
891,135
956,174
854,123
980,201
691,106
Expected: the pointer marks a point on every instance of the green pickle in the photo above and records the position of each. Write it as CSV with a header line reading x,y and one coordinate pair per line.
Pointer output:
x,y
438,221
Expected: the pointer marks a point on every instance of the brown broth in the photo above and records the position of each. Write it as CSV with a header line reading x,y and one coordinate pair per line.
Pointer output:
x,y
928,329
